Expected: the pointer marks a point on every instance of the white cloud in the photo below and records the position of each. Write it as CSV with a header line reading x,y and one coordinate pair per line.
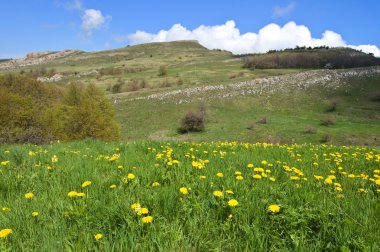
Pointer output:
x,y
283,11
228,37
74,5
92,20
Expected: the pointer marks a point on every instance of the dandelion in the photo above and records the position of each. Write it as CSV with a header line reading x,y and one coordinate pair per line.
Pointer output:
x,y
239,177
5,209
72,194
272,179
131,176
5,232
237,173
54,159
35,214
233,203
250,165
86,183
229,192
113,186
317,177
29,195
274,208
144,210
134,206
294,178
4,163
98,237
218,194
81,194
258,169
147,219
155,184
256,176
202,177
219,175
184,190
264,162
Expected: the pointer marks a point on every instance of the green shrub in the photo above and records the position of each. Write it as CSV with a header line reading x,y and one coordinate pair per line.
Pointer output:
x,y
192,122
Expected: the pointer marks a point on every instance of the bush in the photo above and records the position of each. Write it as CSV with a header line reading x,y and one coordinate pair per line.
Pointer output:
x,y
163,70
332,106
328,121
192,122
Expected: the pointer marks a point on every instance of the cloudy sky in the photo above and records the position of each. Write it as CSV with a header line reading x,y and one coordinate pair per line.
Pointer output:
x,y
240,26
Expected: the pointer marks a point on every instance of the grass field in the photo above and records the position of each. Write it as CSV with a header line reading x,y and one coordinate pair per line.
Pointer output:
x,y
225,196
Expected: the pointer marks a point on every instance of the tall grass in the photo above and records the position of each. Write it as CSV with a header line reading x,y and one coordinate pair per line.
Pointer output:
x,y
328,197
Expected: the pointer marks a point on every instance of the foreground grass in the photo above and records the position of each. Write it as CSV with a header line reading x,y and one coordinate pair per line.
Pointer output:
x,y
321,197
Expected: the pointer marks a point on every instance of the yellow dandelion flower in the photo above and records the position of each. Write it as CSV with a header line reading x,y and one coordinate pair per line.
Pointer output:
x,y
362,190
317,177
258,169
29,195
233,203
113,186
250,165
135,206
219,174
98,237
81,194
338,189
131,176
294,178
239,177
256,176
229,192
4,163
218,194
54,159
184,190
86,183
147,219
35,214
202,177
328,181
274,208
5,209
155,184
5,232
72,194
272,179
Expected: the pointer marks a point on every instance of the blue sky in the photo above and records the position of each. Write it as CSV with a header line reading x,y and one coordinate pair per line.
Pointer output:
x,y
240,26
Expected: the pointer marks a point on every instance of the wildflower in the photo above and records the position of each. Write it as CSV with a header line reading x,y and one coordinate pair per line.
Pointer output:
x,y
362,190
131,176
72,194
184,190
86,183
29,195
239,177
250,165
144,210
256,176
317,177
7,152
274,208
98,237
233,203
328,181
272,179
35,214
264,162
135,206
113,186
81,194
258,169
5,232
147,219
155,184
229,192
202,177
5,209
294,178
54,159
218,194
219,175
4,163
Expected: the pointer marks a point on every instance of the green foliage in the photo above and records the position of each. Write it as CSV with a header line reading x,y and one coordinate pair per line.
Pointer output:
x,y
333,205
192,122
34,112
311,58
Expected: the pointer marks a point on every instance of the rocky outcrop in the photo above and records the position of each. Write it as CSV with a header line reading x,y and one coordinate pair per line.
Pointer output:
x,y
36,58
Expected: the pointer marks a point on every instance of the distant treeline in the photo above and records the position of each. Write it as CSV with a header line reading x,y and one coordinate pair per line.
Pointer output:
x,y
308,57
4,60
35,112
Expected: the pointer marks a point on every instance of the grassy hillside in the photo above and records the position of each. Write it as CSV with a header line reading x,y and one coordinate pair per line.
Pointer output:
x,y
274,105
94,196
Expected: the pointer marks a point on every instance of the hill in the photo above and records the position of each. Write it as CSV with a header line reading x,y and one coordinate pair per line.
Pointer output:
x,y
152,86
